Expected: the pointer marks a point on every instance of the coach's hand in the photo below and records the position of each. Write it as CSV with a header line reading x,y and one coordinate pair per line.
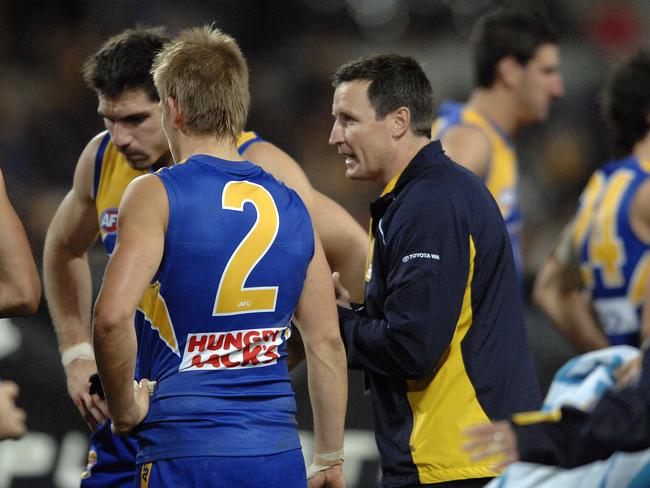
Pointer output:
x,y
330,478
123,423
342,294
93,409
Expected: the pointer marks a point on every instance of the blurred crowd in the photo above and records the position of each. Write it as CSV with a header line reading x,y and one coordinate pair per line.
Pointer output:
x,y
46,113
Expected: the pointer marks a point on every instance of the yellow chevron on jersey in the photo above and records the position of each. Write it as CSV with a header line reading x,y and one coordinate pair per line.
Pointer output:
x,y
113,174
155,311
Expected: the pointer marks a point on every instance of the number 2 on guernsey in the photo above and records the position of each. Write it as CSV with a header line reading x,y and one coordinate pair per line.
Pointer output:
x,y
232,296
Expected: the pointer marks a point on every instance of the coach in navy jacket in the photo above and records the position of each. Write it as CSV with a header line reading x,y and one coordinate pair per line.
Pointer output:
x,y
442,338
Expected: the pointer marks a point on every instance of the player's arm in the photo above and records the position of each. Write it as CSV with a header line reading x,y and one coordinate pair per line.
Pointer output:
x,y
344,241
467,145
326,366
558,292
142,222
20,287
68,285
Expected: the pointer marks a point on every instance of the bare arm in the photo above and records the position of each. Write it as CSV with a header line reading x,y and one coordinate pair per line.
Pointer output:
x,y
344,241
142,220
67,281
326,364
468,146
558,292
20,287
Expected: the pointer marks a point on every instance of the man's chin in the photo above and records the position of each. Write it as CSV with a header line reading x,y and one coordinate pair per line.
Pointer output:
x,y
140,163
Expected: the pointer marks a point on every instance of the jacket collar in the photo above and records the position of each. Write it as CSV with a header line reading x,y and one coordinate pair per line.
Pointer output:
x,y
420,163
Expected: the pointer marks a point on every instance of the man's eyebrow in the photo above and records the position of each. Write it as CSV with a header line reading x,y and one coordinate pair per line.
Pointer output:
x,y
136,115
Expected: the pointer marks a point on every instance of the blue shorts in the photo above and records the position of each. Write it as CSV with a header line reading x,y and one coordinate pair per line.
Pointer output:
x,y
284,470
111,460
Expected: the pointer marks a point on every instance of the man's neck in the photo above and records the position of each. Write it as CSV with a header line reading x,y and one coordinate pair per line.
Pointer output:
x,y
498,105
402,157
223,148
642,148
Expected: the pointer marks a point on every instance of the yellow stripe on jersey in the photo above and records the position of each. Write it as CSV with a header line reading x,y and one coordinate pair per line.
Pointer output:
x,y
116,174
154,308
244,137
501,178
448,399
588,200
529,418
638,283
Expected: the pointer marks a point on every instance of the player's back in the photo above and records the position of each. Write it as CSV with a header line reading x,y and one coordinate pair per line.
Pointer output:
x,y
501,177
614,260
237,248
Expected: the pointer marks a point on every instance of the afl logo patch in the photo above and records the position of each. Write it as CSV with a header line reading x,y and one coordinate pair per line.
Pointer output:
x,y
108,221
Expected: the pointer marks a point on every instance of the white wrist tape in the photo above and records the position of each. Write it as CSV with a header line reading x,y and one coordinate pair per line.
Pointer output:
x,y
334,457
83,350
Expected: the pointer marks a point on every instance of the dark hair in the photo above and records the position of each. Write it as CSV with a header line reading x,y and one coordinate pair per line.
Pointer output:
x,y
124,62
507,33
396,81
626,102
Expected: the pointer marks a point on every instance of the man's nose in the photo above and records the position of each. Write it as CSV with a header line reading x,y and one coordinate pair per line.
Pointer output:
x,y
336,136
121,135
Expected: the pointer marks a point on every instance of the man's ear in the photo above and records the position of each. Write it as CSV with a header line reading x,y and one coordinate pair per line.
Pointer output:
x,y
175,115
400,121
509,71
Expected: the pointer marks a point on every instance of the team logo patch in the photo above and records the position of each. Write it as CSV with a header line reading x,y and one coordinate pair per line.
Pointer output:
x,y
235,349
108,221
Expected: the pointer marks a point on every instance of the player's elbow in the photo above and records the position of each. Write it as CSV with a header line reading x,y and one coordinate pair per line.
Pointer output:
x,y
22,299
107,318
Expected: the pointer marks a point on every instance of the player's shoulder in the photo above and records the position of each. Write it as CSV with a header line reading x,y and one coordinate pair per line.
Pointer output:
x,y
86,167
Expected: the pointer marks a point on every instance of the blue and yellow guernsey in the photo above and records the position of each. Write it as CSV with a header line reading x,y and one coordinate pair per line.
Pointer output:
x,y
614,261
113,174
112,457
217,317
442,337
502,174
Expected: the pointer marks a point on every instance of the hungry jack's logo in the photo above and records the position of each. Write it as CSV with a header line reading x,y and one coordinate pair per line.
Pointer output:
x,y
234,349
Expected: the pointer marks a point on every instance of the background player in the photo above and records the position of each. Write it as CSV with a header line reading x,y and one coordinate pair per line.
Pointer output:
x,y
517,76
604,249
135,144
229,247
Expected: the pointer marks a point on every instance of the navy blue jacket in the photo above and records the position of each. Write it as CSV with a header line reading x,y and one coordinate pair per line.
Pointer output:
x,y
442,336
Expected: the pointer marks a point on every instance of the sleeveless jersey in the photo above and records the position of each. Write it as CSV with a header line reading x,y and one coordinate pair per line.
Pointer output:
x,y
614,262
111,460
113,174
217,316
502,174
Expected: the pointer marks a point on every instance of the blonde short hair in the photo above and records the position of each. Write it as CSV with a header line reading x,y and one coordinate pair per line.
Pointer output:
x,y
205,72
